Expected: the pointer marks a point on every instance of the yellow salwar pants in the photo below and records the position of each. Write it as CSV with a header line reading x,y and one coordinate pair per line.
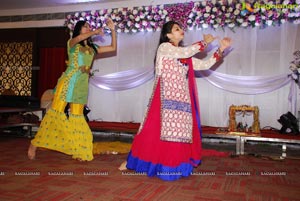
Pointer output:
x,y
71,135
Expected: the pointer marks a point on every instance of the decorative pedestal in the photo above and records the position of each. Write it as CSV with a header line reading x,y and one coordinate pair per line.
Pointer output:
x,y
243,108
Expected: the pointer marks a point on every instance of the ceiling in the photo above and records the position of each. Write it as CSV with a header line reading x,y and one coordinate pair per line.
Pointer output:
x,y
26,4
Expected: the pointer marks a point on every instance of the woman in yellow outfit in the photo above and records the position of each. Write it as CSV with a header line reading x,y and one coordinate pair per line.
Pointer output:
x,y
72,135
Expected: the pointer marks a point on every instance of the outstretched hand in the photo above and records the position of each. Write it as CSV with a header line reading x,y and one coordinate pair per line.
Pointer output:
x,y
110,24
225,43
99,32
208,38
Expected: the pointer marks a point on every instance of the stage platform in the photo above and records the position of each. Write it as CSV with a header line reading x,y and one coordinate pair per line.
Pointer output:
x,y
284,142
268,140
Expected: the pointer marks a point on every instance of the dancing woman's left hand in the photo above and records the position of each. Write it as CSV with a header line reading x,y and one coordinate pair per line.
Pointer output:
x,y
225,43
110,24
85,69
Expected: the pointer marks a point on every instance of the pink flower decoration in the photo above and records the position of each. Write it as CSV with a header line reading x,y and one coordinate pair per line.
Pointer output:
x,y
215,14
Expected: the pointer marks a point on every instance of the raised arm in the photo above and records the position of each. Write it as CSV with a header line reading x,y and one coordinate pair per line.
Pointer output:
x,y
84,36
171,51
113,46
199,64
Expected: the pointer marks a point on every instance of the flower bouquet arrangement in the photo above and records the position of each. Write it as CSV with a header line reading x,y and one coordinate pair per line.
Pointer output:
x,y
295,66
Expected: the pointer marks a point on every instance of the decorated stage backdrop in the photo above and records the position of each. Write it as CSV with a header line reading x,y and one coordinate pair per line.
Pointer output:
x,y
254,72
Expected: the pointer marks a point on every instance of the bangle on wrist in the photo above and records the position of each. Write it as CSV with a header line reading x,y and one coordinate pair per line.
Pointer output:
x,y
202,45
218,54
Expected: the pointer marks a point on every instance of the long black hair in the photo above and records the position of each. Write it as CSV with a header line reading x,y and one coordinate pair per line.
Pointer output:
x,y
166,29
76,32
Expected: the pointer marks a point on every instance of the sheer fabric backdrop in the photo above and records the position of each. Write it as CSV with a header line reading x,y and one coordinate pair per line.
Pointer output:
x,y
255,52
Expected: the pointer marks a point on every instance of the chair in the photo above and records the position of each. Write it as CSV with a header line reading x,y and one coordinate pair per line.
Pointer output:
x,y
47,98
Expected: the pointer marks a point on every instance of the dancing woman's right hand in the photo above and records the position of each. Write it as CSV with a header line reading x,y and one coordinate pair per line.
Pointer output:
x,y
208,38
99,31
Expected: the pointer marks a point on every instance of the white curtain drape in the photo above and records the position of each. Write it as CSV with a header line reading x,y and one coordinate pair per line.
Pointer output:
x,y
255,52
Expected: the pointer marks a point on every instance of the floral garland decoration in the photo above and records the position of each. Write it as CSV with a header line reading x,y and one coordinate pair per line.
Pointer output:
x,y
200,15
295,67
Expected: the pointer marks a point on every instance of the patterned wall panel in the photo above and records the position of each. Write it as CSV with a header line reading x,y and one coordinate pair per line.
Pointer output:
x,y
16,68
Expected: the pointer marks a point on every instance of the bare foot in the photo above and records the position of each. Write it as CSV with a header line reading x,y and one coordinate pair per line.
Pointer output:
x,y
123,166
31,152
79,159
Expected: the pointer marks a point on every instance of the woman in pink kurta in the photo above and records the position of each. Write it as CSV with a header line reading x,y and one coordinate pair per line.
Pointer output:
x,y
168,143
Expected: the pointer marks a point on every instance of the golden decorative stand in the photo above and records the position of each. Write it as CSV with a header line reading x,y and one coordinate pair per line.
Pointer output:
x,y
243,108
